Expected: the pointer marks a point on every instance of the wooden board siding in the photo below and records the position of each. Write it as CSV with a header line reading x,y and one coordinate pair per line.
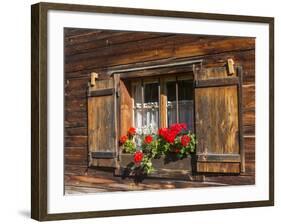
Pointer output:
x,y
100,51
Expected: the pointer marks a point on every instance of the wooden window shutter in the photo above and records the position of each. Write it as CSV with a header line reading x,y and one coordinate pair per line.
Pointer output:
x,y
102,122
218,100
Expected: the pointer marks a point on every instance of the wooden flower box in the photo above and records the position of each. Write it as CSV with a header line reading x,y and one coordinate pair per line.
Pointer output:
x,y
164,167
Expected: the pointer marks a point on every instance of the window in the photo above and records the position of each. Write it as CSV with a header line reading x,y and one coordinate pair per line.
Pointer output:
x,y
160,102
140,99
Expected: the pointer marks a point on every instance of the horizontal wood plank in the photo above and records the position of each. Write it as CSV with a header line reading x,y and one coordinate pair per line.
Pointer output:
x,y
75,141
168,47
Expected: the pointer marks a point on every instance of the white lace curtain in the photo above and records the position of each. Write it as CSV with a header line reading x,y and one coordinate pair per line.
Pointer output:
x,y
146,114
146,105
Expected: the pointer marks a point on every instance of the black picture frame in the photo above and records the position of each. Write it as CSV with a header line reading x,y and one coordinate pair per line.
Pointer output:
x,y
39,108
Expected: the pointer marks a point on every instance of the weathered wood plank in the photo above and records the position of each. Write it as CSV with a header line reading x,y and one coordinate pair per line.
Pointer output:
x,y
249,116
71,32
76,105
77,169
217,120
75,155
231,180
224,158
218,167
249,130
91,35
120,38
75,141
244,58
87,184
152,50
249,145
75,119
248,99
77,84
76,131
126,108
216,82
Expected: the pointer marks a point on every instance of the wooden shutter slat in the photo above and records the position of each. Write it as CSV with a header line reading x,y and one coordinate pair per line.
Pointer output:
x,y
217,82
218,157
104,155
102,92
217,121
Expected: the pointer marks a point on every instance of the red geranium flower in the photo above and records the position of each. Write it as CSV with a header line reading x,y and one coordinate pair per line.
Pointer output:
x,y
148,139
185,140
123,139
132,131
178,127
138,156
162,132
170,136
177,150
183,126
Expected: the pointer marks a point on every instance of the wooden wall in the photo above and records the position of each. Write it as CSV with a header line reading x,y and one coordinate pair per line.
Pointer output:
x,y
96,50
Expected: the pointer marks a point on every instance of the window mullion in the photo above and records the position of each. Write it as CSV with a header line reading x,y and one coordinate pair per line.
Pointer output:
x,y
159,104
142,102
163,104
177,101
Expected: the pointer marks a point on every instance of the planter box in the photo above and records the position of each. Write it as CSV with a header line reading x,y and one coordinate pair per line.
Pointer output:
x,y
169,167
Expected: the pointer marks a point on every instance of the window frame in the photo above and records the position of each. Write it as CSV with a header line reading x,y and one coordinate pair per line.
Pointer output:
x,y
159,68
162,96
198,71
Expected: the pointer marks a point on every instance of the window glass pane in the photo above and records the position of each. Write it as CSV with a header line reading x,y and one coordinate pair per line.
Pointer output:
x,y
171,103
171,91
186,113
151,92
171,113
151,106
185,88
151,119
137,95
138,118
146,114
